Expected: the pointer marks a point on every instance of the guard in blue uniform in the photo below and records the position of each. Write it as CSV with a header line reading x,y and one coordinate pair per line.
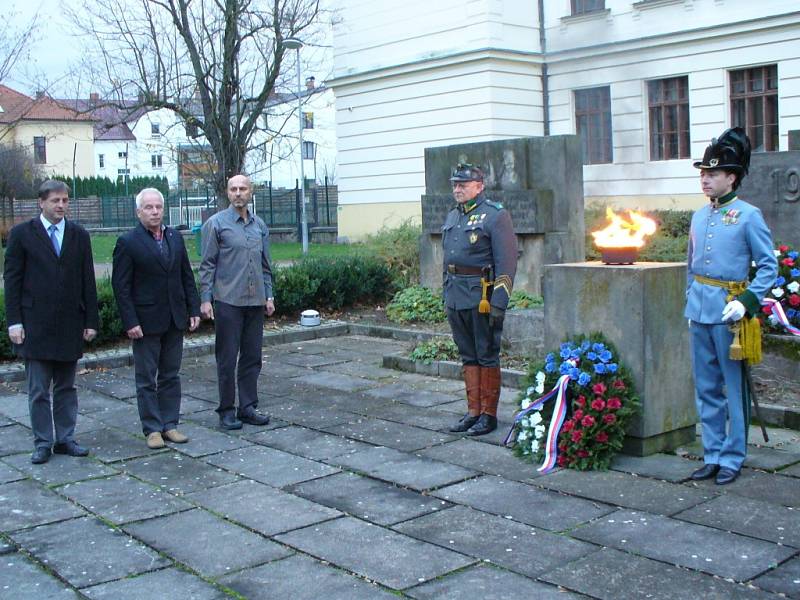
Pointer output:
x,y
480,261
727,236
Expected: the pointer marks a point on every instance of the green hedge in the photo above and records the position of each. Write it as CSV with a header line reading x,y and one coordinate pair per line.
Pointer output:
x,y
105,187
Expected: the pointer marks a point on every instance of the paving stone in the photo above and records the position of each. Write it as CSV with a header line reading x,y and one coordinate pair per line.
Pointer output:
x,y
86,424
524,503
793,471
60,468
367,368
359,342
110,445
487,583
293,387
390,434
368,499
404,469
306,442
121,499
149,585
337,381
488,458
204,441
107,383
299,359
512,545
270,466
121,416
401,392
88,552
178,474
302,578
313,416
22,579
25,504
430,418
621,489
666,467
728,555
610,574
91,402
8,473
351,544
6,421
274,373
776,489
6,548
360,404
14,405
15,439
210,419
191,405
216,547
783,580
261,507
770,459
756,518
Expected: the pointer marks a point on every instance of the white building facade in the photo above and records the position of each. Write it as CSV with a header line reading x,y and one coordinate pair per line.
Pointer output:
x,y
647,84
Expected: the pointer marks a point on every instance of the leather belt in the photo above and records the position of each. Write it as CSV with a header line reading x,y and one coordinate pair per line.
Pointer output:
x,y
459,270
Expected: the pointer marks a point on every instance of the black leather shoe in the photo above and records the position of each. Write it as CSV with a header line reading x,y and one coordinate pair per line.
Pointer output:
x,y
70,448
726,476
253,417
228,421
465,423
486,424
41,455
705,472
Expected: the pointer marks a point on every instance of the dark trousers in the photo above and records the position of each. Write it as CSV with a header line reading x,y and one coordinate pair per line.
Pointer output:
x,y
157,360
478,343
240,331
39,374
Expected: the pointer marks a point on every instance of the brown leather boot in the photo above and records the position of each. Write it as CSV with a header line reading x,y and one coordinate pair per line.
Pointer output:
x,y
472,381
490,396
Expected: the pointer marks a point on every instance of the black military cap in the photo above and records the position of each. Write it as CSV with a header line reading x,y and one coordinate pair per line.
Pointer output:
x,y
729,151
467,172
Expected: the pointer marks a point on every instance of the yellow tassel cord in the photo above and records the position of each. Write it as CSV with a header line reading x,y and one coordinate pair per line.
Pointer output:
x,y
484,307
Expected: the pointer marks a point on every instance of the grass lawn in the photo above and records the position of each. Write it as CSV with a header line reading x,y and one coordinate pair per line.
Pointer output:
x,y
103,249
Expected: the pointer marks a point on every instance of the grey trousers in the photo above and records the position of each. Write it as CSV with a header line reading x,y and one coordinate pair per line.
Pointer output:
x,y
240,331
157,360
39,374
478,343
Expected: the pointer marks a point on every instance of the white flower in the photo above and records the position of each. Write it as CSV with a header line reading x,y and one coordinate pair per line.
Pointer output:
x,y
526,402
536,418
523,435
777,252
540,377
777,292
525,422
529,391
538,431
773,320
793,287
534,446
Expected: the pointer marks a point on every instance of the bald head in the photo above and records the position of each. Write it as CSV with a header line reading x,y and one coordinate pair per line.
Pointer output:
x,y
239,192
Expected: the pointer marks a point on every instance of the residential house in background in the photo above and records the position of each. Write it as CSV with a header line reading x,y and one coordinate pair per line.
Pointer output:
x,y
59,137
646,84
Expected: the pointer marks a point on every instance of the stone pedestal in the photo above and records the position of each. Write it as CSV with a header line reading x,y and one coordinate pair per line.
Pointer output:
x,y
639,308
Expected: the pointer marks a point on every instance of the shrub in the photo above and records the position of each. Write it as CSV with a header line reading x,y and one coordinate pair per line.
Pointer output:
x,y
416,303
398,247
110,329
435,349
522,299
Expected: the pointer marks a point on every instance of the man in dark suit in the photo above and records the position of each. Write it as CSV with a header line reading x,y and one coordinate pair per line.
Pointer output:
x,y
157,300
51,309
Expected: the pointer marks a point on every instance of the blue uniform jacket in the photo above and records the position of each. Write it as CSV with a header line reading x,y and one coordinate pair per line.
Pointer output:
x,y
723,244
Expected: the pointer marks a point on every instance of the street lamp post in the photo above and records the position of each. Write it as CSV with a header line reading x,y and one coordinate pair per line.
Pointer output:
x,y
293,43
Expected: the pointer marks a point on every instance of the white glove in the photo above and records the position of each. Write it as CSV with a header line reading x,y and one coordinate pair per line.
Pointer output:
x,y
733,311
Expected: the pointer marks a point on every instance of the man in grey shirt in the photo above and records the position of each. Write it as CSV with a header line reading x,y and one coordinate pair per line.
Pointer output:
x,y
235,275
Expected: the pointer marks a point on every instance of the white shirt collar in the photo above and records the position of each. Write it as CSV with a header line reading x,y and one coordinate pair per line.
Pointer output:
x,y
59,226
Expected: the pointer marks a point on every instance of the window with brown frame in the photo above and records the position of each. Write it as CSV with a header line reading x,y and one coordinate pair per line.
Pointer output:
x,y
593,124
754,105
668,103
39,150
581,7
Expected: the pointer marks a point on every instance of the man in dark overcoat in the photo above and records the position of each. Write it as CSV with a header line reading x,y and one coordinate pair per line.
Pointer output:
x,y
157,299
51,310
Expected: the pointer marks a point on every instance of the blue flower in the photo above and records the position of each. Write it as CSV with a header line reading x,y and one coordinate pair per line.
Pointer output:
x,y
612,367
549,367
585,345
790,313
795,272
598,347
780,281
599,368
564,368
574,373
565,352
605,356
591,356
550,358
792,254
575,354
584,379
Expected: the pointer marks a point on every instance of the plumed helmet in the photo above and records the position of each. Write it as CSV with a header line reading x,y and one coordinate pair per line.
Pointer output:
x,y
467,172
730,151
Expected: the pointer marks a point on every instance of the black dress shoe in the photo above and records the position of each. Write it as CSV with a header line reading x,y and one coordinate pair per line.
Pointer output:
x,y
70,448
726,476
228,421
705,472
253,417
41,455
465,423
486,424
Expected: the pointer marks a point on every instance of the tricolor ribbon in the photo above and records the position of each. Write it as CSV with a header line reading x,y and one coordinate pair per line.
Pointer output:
x,y
777,311
556,421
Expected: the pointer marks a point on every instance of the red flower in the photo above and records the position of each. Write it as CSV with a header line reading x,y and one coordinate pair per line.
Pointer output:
x,y
577,436
599,389
602,437
583,454
794,300
568,425
578,415
787,262
587,421
614,403
783,248
618,384
562,447
609,418
581,401
767,310
561,461
598,404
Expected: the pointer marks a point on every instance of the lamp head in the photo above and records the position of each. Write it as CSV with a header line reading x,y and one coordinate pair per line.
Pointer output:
x,y
292,43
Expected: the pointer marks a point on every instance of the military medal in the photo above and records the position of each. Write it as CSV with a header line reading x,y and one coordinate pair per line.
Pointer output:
x,y
473,237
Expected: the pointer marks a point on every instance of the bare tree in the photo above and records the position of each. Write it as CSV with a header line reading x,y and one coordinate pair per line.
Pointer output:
x,y
15,42
214,63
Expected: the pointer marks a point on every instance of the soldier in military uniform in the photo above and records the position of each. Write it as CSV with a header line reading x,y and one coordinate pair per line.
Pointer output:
x,y
727,236
480,261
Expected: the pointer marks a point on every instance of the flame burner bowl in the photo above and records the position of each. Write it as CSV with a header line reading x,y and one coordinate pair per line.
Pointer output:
x,y
619,256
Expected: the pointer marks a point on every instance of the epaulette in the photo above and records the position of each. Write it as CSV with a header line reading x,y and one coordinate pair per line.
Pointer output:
x,y
497,205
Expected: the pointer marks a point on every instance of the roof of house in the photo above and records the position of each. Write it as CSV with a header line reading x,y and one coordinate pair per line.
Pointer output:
x,y
15,106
